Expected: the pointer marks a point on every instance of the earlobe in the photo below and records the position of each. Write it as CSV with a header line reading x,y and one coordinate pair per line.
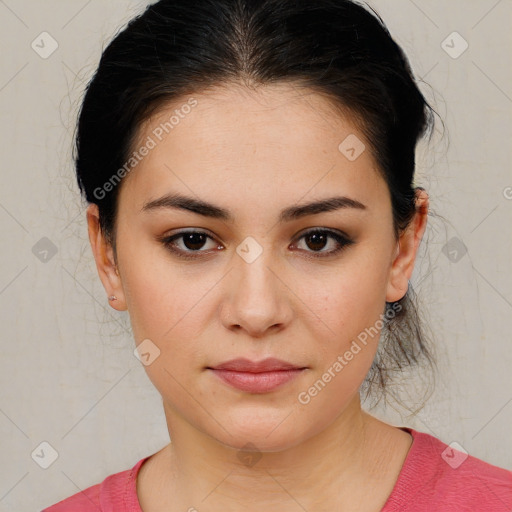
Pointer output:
x,y
407,246
104,257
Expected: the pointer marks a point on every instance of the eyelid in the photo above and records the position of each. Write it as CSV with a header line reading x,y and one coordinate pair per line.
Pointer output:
x,y
330,231
341,238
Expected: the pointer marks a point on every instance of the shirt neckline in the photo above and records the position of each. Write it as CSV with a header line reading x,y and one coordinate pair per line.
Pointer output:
x,y
407,471
133,505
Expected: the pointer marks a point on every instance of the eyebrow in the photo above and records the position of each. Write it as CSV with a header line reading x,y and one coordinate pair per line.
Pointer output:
x,y
181,202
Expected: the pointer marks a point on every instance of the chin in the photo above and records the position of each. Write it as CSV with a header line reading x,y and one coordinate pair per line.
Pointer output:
x,y
260,444
272,435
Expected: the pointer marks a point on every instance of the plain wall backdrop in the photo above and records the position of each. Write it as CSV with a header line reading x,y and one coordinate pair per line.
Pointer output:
x,y
68,375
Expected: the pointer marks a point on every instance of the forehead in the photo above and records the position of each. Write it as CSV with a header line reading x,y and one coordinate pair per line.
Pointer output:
x,y
278,143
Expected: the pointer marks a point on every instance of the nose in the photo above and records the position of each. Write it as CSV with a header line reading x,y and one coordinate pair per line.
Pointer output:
x,y
256,298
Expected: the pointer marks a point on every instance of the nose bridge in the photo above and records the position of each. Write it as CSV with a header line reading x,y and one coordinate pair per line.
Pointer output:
x,y
258,297
253,268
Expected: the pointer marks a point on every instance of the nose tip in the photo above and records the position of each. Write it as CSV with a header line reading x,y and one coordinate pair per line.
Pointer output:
x,y
257,299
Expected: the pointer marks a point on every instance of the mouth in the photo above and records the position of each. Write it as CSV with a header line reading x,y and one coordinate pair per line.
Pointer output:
x,y
270,364
257,377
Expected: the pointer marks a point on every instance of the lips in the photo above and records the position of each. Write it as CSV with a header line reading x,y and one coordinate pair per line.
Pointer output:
x,y
270,364
256,376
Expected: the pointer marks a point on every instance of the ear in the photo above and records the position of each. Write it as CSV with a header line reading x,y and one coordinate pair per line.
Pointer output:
x,y
104,257
407,247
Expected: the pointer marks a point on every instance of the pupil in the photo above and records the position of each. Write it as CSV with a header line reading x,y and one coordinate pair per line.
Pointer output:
x,y
316,237
188,240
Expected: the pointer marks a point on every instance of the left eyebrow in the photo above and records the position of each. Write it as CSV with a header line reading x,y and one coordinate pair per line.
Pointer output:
x,y
178,201
324,205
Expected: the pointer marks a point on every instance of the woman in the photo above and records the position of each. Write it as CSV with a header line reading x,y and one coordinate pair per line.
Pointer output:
x,y
249,167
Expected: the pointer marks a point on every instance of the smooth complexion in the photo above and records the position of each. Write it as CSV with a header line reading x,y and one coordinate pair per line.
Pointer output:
x,y
256,154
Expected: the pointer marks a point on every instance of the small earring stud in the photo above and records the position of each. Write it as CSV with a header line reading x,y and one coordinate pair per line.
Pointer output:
x,y
112,297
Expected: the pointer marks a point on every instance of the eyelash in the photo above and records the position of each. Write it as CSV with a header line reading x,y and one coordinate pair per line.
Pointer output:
x,y
342,240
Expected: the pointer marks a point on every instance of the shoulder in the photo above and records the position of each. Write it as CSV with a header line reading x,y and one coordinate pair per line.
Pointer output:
x,y
438,475
84,501
116,492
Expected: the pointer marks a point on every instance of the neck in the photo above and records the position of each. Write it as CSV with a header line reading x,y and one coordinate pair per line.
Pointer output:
x,y
214,476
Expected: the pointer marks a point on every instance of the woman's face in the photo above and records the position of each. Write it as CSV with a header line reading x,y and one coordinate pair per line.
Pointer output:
x,y
256,285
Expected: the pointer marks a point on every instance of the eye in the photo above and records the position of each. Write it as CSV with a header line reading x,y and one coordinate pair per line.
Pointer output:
x,y
317,239
192,241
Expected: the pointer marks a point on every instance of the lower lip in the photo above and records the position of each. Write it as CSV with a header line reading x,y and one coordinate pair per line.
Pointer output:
x,y
257,382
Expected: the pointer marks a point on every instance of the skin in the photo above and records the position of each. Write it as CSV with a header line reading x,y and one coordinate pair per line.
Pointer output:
x,y
256,153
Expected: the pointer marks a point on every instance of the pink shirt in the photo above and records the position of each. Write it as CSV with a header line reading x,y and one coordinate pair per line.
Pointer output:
x,y
433,477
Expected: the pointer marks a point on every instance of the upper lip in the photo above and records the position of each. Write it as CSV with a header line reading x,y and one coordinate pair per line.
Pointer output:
x,y
242,364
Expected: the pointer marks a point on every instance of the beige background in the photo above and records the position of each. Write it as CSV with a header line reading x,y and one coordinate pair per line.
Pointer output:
x,y
68,375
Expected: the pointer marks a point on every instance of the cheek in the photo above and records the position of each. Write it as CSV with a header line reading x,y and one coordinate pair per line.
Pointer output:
x,y
345,351
348,306
171,308
159,295
166,310
348,299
